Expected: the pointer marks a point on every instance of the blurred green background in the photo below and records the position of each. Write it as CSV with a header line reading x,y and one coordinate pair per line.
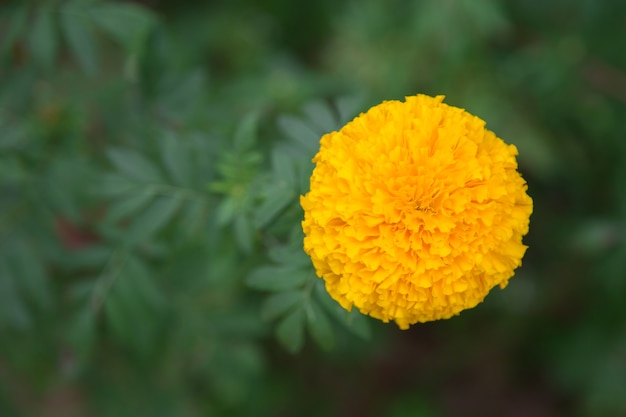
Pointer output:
x,y
151,158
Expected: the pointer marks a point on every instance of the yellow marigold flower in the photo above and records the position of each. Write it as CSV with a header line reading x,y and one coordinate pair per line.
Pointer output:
x,y
415,211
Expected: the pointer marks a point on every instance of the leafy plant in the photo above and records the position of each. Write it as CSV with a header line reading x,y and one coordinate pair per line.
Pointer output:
x,y
152,157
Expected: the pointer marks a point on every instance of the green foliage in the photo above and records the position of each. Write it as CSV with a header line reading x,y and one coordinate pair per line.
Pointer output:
x,y
299,300
152,156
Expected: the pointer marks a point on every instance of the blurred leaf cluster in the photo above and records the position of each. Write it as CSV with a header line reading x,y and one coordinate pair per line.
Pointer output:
x,y
152,155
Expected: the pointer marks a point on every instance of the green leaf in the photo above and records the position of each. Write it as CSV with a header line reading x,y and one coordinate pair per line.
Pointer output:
x,y
244,321
348,107
30,272
246,133
61,199
129,309
282,166
126,207
78,32
115,317
144,282
84,290
319,326
128,23
290,331
358,324
353,320
13,312
194,216
114,184
183,94
301,133
43,40
156,216
226,211
176,159
244,233
289,255
125,292
277,197
92,256
321,116
277,278
134,165
304,169
81,331
277,305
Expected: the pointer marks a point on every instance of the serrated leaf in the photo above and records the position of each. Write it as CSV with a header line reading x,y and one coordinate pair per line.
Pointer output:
x,y
176,159
277,278
43,40
359,324
276,199
321,115
134,165
278,304
353,320
289,255
78,31
290,331
126,207
155,217
320,326
300,132
246,133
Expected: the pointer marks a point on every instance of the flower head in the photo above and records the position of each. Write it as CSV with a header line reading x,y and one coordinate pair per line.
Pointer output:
x,y
415,211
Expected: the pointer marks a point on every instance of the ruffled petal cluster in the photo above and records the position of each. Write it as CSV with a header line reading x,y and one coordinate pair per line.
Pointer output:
x,y
415,211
